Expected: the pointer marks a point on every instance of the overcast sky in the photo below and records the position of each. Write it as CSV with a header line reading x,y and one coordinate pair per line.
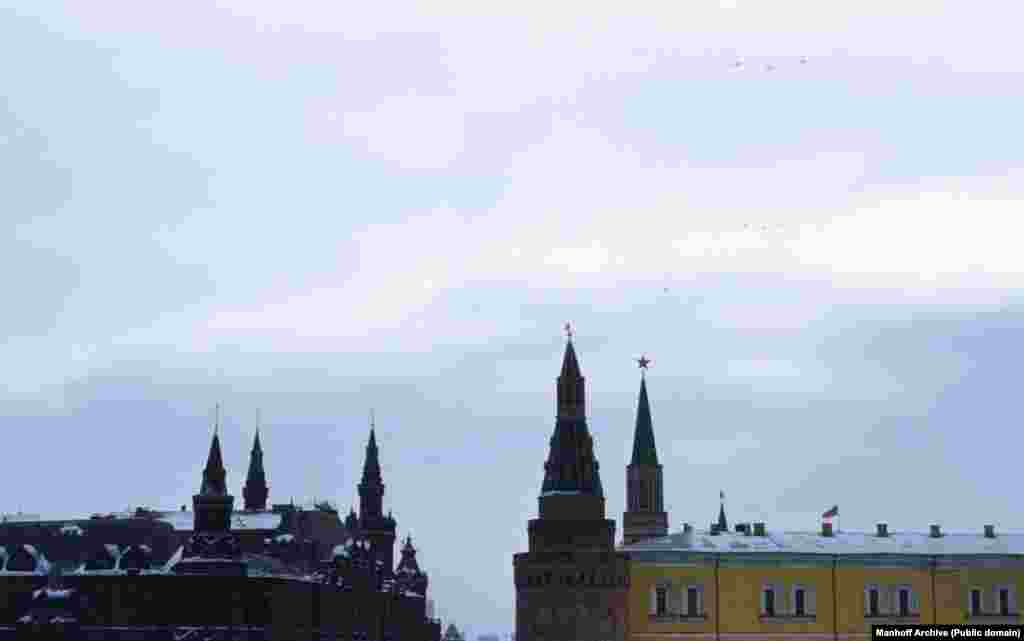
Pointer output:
x,y
308,209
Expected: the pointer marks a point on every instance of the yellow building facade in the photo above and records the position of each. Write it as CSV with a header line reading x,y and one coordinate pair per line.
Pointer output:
x,y
734,586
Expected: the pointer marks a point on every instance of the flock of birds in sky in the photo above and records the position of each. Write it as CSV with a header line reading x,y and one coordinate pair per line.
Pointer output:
x,y
741,64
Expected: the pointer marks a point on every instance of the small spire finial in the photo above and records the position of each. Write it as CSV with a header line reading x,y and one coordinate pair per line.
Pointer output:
x,y
216,418
643,362
371,419
568,330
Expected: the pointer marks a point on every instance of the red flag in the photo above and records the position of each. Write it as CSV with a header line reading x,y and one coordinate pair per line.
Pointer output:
x,y
830,513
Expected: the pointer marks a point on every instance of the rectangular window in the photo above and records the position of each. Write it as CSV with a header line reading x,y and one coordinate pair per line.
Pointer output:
x,y
1004,602
798,602
975,602
873,602
662,602
904,602
691,602
769,602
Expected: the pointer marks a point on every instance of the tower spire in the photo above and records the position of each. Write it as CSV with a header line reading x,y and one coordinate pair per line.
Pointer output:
x,y
645,515
571,388
723,525
571,465
371,487
644,451
255,490
214,474
373,524
212,505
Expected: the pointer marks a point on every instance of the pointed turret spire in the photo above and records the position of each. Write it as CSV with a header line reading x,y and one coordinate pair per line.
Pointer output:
x,y
214,474
571,390
645,516
255,490
571,466
371,488
723,525
371,465
212,505
644,451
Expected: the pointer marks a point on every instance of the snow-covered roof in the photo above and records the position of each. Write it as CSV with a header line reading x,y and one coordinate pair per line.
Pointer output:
x,y
853,543
284,538
184,521
72,529
560,492
51,593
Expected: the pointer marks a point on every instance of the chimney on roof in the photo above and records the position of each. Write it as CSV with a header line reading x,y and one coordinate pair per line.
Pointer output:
x,y
687,534
883,529
826,529
935,531
990,531
759,529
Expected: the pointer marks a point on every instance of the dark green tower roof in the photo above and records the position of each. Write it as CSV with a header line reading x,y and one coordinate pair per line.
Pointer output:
x,y
644,452
214,475
571,465
371,466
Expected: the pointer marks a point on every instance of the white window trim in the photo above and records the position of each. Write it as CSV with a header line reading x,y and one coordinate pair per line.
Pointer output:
x,y
792,599
896,605
774,588
877,589
981,600
699,589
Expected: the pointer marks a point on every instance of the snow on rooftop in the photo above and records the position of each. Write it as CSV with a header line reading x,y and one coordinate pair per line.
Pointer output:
x,y
184,521
51,593
839,543
560,492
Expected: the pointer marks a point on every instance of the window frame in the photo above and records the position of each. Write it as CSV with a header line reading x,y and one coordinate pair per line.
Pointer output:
x,y
980,610
693,605
874,604
901,593
799,601
768,604
661,601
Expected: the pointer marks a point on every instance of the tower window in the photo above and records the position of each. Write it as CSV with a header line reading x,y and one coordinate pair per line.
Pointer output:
x,y
904,605
799,608
975,602
662,601
1004,602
